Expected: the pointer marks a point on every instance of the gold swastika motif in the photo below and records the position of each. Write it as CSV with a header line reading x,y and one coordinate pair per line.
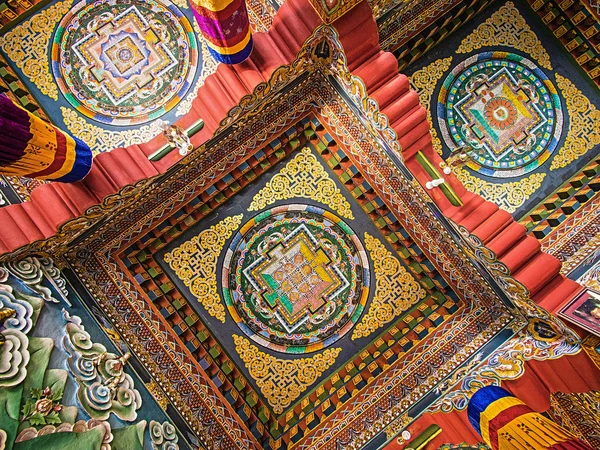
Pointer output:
x,y
195,263
303,177
507,27
396,289
282,381
583,134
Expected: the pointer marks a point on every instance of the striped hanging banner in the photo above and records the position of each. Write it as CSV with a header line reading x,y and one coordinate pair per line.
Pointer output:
x,y
506,423
30,147
225,26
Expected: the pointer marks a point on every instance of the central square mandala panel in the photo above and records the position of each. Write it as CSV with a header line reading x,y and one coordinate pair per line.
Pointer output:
x,y
292,285
296,278
494,108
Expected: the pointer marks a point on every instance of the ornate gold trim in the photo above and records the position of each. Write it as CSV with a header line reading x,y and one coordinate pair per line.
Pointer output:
x,y
579,413
396,289
508,196
158,394
397,426
260,15
340,8
515,290
282,381
506,363
195,263
584,117
312,91
101,140
303,177
424,82
507,27
322,53
27,46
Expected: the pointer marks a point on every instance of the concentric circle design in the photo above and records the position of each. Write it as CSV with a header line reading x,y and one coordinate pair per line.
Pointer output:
x,y
124,62
504,110
295,278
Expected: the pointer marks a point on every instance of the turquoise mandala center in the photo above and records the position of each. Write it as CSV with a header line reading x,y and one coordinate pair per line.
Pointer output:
x,y
296,278
504,110
124,62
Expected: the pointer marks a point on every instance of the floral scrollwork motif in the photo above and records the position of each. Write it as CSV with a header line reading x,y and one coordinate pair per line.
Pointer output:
x,y
583,135
303,177
506,363
103,385
164,436
507,27
27,46
195,263
322,52
282,381
508,196
396,289
543,337
516,291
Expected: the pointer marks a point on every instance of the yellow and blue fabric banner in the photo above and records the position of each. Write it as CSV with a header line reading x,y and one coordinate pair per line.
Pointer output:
x,y
226,28
30,147
506,423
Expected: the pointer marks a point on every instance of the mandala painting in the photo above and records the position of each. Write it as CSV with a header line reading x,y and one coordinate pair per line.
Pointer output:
x,y
296,278
124,62
504,110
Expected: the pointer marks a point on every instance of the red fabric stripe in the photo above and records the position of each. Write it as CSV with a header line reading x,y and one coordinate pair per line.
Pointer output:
x,y
59,158
504,418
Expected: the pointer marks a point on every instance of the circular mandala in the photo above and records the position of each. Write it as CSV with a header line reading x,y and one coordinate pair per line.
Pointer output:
x,y
504,109
295,278
124,62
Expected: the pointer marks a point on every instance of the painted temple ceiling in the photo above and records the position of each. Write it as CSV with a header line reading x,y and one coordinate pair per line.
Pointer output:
x,y
322,343
290,284
545,170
